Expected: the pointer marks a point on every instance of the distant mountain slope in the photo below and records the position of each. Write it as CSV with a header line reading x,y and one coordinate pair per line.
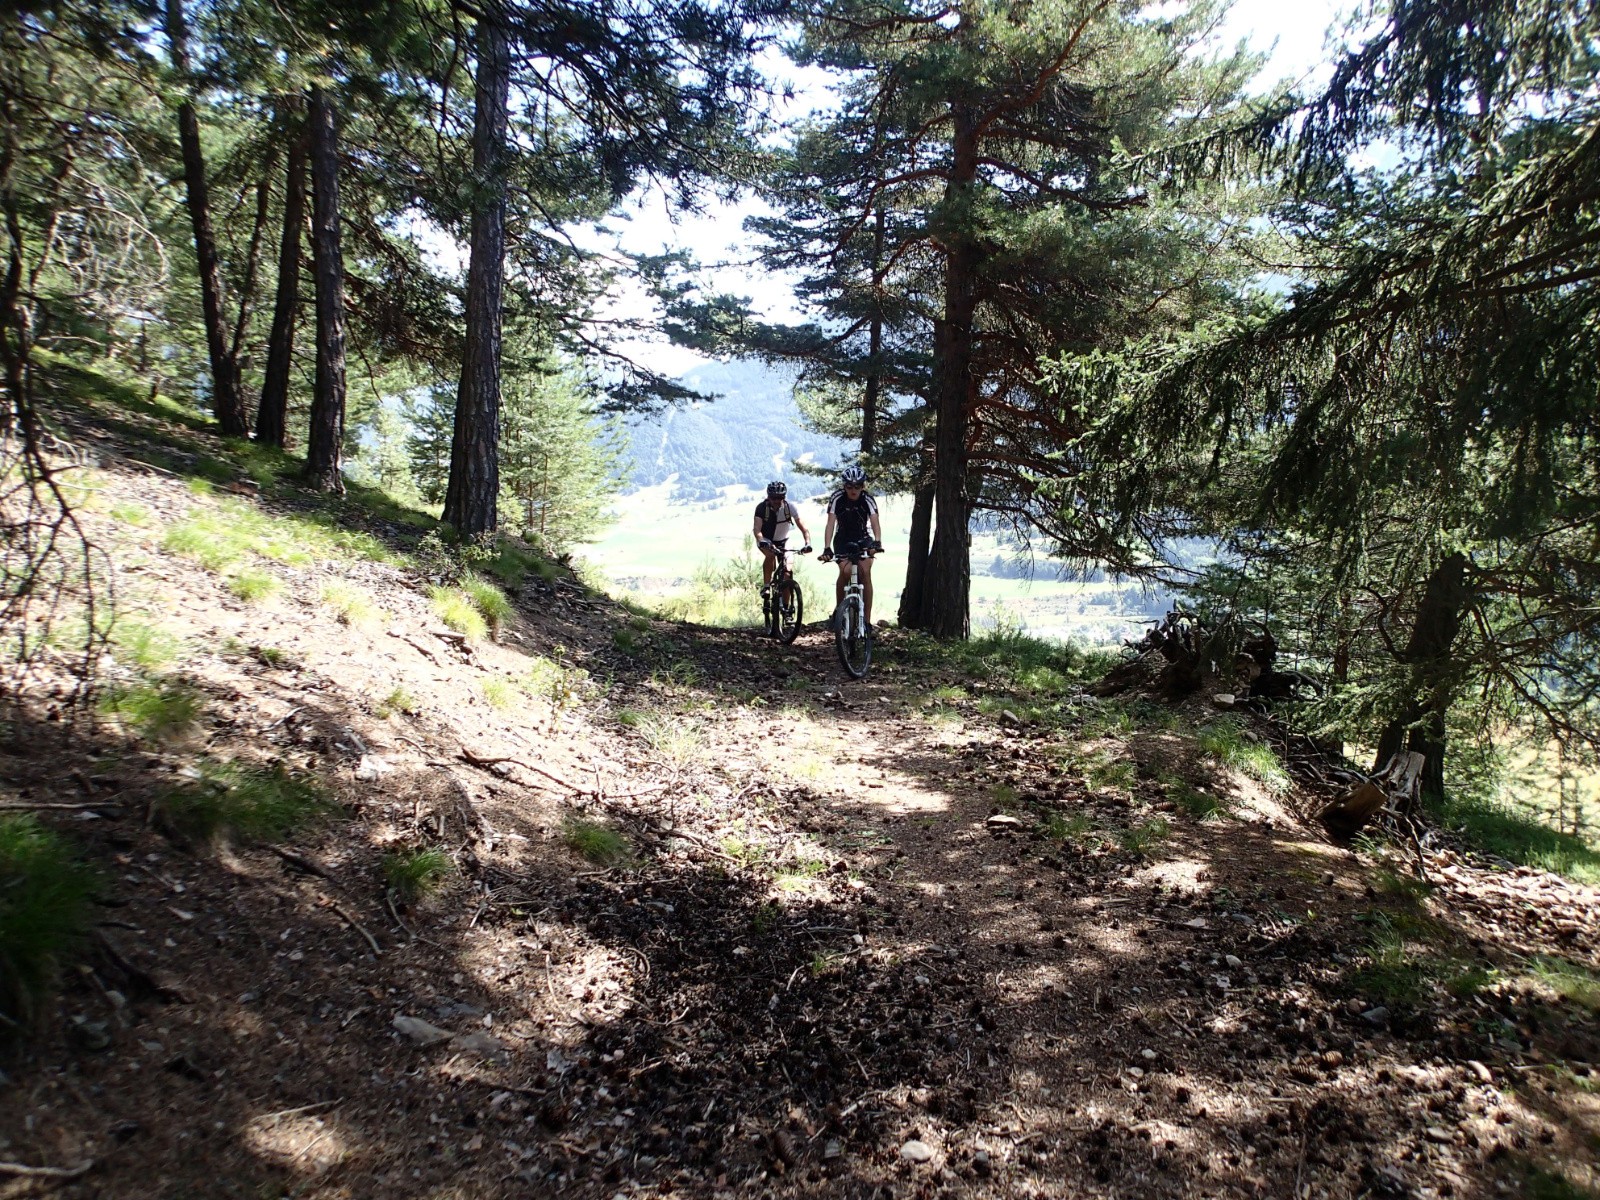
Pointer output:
x,y
749,434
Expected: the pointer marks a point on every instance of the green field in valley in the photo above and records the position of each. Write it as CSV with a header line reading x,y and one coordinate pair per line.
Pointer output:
x,y
656,544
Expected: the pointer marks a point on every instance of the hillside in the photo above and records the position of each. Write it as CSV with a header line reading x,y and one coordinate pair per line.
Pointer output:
x,y
749,434
698,918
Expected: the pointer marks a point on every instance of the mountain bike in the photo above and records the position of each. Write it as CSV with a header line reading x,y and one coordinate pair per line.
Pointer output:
x,y
783,605
851,633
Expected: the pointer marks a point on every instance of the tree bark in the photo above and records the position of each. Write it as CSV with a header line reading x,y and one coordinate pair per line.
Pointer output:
x,y
325,440
1421,726
470,501
945,591
226,402
911,599
272,418
869,401
14,343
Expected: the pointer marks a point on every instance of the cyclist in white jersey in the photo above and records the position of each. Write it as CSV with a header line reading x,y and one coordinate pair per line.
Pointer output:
x,y
774,516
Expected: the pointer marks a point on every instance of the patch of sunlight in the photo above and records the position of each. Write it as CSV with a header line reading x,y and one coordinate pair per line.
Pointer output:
x,y
1314,850
1173,872
311,1142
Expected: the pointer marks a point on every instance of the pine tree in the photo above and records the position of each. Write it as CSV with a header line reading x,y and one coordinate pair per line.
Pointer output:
x,y
1422,405
991,132
560,461
429,413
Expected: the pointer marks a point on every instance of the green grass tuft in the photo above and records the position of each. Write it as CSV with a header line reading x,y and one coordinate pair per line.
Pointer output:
x,y
501,694
45,912
1063,828
1191,801
147,647
766,919
415,874
597,842
397,701
1107,774
489,600
129,513
456,609
1568,980
197,539
1226,742
1391,973
251,585
253,803
352,605
1145,836
674,741
272,656
559,686
157,711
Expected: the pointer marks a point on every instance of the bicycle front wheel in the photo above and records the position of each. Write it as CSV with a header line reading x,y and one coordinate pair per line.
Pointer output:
x,y
854,646
791,608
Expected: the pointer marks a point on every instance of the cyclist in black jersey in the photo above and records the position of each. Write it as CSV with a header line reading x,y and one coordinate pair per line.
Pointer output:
x,y
852,513
774,515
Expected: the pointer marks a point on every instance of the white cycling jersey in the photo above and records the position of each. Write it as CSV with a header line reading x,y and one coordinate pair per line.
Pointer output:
x,y
776,517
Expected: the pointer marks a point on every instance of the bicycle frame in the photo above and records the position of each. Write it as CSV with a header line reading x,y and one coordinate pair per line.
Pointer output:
x,y
855,598
852,637
783,605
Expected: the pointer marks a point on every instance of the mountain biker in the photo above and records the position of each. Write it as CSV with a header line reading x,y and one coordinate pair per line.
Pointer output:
x,y
851,511
774,515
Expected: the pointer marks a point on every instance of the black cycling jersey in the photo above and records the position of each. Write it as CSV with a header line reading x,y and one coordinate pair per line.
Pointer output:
x,y
775,516
851,518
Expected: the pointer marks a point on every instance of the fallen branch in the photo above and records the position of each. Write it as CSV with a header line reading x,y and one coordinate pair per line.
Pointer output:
x,y
157,986
484,763
295,1112
425,651
697,840
355,924
27,1172
388,899
300,864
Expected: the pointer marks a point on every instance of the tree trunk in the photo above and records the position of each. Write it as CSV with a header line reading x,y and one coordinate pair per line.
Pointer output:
x,y
869,401
946,589
1421,725
226,402
911,599
471,495
14,344
325,441
272,418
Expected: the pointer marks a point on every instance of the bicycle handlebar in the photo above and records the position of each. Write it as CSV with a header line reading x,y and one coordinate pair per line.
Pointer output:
x,y
855,550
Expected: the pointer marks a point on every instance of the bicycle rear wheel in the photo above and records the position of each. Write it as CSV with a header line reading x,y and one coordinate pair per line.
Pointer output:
x,y
790,608
851,640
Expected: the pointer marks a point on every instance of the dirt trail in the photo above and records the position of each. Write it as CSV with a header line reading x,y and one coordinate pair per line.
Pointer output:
x,y
873,939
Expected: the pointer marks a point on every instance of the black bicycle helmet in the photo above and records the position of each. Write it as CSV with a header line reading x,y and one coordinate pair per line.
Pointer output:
x,y
777,489
853,475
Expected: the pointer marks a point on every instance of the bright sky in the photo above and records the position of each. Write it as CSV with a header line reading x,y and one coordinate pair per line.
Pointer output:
x,y
1293,32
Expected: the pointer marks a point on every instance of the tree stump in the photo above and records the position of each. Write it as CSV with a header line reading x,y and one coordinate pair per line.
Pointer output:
x,y
1397,782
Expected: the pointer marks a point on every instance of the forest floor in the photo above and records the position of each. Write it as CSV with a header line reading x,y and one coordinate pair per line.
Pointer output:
x,y
722,923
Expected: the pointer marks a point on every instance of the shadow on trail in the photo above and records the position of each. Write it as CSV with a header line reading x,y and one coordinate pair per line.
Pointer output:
x,y
1047,1016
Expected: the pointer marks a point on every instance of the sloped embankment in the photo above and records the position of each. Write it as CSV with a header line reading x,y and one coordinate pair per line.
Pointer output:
x,y
716,923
